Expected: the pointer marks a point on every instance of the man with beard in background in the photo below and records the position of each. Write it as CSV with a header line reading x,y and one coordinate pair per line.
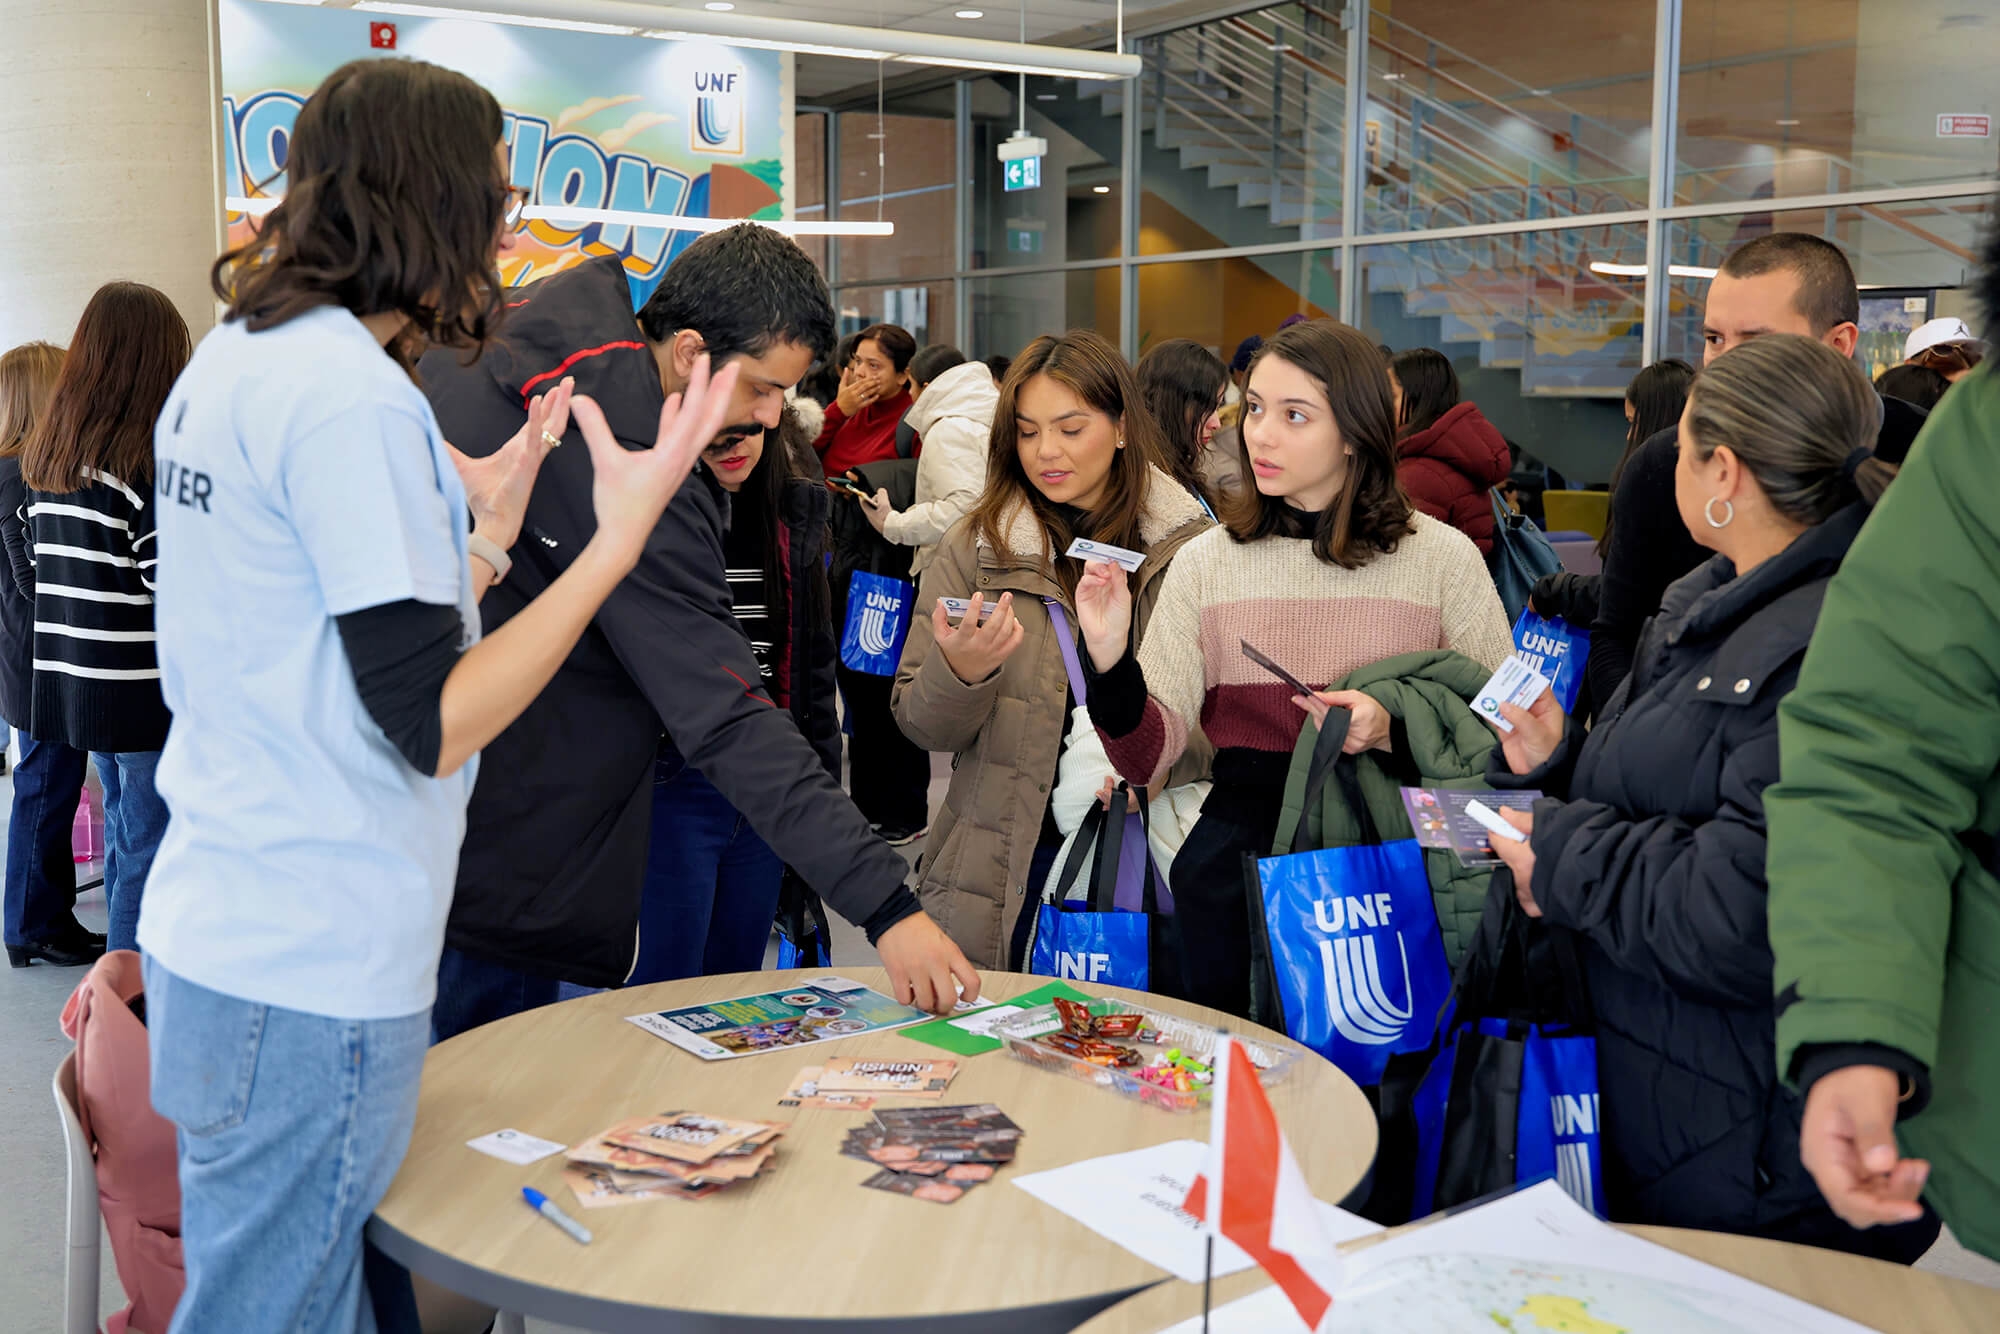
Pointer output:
x,y
555,844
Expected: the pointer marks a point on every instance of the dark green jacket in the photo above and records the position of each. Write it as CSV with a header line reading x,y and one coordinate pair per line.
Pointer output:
x,y
1439,742
1884,922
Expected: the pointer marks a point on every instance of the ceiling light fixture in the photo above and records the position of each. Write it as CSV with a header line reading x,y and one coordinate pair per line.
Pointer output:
x,y
718,6
1395,78
837,39
970,14
1100,189
1610,270
1788,122
563,215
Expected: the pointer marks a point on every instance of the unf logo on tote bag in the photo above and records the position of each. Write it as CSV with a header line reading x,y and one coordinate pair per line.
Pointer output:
x,y
878,620
1357,990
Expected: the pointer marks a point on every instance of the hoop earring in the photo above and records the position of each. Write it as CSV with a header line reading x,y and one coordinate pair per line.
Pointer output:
x,y
1708,512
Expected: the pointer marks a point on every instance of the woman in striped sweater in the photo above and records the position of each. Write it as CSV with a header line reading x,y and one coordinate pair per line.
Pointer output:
x,y
1324,567
89,471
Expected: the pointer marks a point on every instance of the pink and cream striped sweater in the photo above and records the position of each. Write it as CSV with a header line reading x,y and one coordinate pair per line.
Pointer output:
x,y
1317,620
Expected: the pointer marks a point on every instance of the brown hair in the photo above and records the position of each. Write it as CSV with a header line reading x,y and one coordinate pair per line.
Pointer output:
x,y
1183,383
1091,368
27,374
1802,444
394,203
1371,514
128,349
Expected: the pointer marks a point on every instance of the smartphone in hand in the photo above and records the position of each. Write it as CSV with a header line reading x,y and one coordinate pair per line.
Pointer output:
x,y
851,487
1298,686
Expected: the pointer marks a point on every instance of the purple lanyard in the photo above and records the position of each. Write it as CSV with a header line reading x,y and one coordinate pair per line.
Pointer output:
x,y
1066,641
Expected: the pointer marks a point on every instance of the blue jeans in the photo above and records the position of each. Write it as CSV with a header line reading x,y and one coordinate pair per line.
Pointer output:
x,y
472,991
291,1127
41,869
135,819
711,883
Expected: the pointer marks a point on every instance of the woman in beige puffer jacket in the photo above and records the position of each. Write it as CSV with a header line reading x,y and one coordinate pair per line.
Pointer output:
x,y
1067,458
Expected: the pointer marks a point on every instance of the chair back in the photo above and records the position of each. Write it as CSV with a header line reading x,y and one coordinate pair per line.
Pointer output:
x,y
82,1256
1585,511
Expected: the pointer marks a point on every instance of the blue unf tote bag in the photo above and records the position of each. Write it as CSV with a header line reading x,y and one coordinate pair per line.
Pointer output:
x,y
878,621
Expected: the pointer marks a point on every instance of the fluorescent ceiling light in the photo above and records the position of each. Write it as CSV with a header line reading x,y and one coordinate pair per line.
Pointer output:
x,y
563,215
1100,189
441,12
718,6
970,14
1788,122
632,17
1610,270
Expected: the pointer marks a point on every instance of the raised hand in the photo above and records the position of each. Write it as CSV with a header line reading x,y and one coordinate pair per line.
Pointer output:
x,y
497,487
1104,612
974,650
632,486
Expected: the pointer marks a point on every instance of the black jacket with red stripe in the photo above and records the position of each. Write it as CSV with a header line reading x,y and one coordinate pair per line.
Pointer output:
x,y
555,842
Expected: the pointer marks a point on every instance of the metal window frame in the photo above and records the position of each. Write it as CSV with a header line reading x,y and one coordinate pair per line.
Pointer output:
x,y
1657,216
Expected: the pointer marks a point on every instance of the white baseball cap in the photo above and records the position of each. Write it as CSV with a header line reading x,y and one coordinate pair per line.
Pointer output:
x,y
1948,330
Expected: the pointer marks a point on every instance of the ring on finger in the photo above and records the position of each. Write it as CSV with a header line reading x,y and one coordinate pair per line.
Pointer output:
x,y
551,439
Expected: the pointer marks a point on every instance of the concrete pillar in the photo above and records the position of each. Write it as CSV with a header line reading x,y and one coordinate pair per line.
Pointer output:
x,y
109,157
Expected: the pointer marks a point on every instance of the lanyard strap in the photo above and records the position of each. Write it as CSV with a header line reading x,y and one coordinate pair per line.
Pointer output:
x,y
1066,641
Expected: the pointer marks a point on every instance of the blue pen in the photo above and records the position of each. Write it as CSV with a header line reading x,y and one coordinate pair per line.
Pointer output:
x,y
540,1204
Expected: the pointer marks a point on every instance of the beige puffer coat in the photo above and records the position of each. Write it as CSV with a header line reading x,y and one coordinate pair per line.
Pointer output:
x,y
954,419
1006,732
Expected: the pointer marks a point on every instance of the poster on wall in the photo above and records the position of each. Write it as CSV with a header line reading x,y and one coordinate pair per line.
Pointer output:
x,y
689,128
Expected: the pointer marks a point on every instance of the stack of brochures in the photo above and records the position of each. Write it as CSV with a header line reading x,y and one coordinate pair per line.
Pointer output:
x,y
672,1156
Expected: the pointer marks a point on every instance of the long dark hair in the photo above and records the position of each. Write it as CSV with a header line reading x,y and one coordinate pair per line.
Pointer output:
x,y
1658,393
1430,388
1371,514
128,349
786,447
1183,382
394,203
1092,369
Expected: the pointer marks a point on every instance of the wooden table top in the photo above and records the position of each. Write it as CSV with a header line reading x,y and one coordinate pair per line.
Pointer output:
x,y
1882,1296
804,1241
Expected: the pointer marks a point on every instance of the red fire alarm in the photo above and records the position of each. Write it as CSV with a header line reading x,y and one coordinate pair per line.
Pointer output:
x,y
382,36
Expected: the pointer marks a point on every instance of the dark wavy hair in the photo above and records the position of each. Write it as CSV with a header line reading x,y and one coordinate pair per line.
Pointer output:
x,y
744,289
129,348
1090,367
1657,394
1183,383
1371,514
393,203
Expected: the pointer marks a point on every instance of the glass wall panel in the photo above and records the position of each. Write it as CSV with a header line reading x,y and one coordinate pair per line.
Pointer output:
x,y
1913,262
1220,302
1474,116
1543,342
1073,213
1806,97
1241,128
925,309
809,193
1011,312
898,168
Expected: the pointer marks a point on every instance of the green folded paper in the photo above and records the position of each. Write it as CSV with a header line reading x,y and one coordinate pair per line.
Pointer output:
x,y
940,1033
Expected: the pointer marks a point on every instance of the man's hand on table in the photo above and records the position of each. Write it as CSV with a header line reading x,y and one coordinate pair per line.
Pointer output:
x,y
922,964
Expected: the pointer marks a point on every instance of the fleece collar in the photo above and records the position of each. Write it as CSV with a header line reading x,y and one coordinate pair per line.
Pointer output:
x,y
1168,509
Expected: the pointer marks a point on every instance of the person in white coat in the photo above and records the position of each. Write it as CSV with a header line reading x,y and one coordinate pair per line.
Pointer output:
x,y
953,416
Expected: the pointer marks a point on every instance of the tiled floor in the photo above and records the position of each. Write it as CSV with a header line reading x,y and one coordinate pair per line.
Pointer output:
x,y
31,1151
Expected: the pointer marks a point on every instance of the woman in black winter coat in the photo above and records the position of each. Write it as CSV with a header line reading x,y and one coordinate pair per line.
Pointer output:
x,y
1650,846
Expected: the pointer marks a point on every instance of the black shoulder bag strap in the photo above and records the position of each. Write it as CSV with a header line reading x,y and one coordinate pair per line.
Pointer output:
x,y
1111,847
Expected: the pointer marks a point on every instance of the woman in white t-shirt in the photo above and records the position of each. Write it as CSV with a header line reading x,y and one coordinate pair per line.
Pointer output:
x,y
320,651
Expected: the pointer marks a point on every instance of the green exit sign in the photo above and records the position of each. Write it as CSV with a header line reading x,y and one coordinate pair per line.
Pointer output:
x,y
1024,240
1024,173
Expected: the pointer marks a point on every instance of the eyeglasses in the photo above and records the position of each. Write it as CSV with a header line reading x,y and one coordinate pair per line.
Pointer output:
x,y
1950,358
517,204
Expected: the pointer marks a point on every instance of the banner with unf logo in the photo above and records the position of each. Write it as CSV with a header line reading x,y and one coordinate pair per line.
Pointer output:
x,y
878,620
1356,957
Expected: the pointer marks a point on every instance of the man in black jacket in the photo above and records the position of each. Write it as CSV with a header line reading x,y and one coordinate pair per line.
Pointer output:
x,y
555,842
1785,282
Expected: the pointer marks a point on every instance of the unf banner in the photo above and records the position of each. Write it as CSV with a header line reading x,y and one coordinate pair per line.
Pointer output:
x,y
878,620
1356,957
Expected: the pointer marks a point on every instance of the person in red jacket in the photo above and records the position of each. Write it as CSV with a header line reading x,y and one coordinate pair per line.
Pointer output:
x,y
1448,456
874,394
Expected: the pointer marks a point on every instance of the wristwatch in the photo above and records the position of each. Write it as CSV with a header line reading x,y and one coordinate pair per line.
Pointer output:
x,y
489,551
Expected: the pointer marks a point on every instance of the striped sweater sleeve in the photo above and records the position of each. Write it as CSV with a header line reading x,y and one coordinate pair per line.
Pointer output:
x,y
1474,621
1167,672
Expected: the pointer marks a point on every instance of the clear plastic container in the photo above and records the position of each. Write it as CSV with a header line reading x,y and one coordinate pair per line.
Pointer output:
x,y
1274,1060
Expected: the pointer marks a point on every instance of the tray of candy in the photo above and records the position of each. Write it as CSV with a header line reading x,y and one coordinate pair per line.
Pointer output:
x,y
1134,1050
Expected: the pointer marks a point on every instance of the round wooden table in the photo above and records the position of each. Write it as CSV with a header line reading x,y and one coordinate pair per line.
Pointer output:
x,y
804,1242
1882,1296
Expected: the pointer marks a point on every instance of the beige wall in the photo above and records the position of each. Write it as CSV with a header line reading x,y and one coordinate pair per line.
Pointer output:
x,y
108,157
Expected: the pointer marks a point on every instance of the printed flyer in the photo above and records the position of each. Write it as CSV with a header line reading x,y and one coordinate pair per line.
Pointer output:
x,y
821,1010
